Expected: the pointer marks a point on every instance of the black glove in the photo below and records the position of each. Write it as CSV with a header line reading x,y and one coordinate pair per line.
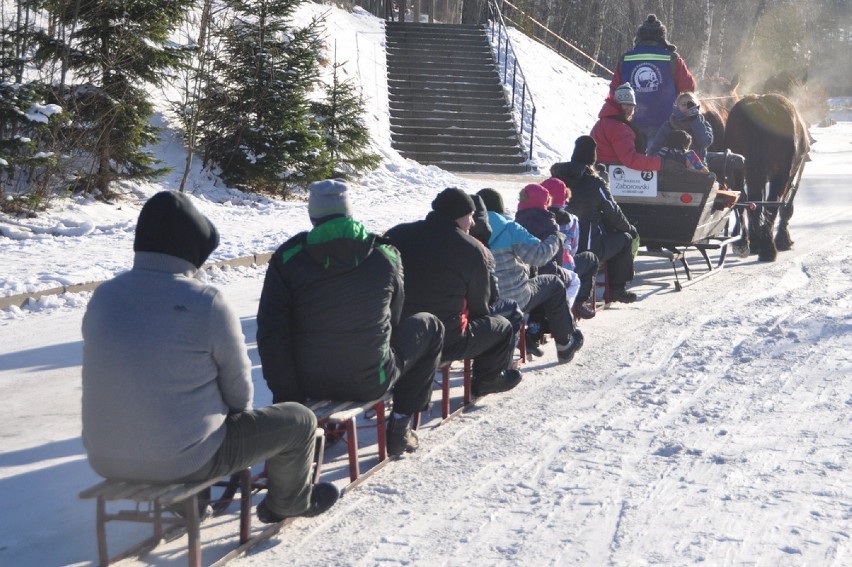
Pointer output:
x,y
632,231
693,111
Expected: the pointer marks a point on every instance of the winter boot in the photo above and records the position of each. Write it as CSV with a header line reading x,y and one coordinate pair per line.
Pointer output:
x,y
532,339
504,382
621,295
583,311
323,497
565,351
400,438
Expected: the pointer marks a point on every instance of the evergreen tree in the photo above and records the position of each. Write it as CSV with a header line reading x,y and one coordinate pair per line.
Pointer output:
x,y
255,121
344,132
116,47
27,153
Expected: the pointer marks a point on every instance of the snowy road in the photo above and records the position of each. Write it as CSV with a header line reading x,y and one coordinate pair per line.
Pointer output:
x,y
710,426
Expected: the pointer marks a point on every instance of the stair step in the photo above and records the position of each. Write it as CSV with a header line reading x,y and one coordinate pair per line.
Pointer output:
x,y
446,104
481,167
450,123
426,145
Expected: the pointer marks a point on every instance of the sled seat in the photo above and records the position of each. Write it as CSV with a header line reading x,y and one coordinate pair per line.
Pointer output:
x,y
339,420
150,501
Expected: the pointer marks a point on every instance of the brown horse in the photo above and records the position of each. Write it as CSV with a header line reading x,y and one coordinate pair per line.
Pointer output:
x,y
770,133
718,95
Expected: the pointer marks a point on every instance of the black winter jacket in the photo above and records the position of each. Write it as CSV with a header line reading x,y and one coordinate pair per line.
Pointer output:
x,y
446,272
593,204
330,300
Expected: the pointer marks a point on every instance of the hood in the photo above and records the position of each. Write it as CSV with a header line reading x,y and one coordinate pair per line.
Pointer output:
x,y
340,244
611,109
170,224
569,172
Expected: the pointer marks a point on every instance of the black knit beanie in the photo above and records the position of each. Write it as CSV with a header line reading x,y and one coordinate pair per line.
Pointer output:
x,y
493,200
170,224
453,203
585,151
653,30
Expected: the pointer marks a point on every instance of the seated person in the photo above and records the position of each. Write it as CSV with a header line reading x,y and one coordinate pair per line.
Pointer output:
x,y
167,390
330,323
604,230
515,250
618,140
584,264
447,274
677,149
686,117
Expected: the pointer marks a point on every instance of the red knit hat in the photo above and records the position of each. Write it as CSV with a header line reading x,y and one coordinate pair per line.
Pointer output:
x,y
533,196
557,189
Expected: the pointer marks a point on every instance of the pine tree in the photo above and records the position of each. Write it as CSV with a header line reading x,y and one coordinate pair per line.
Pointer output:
x,y
117,47
255,121
344,132
27,149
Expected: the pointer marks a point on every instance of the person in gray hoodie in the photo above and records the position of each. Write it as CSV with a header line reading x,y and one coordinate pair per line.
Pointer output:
x,y
167,390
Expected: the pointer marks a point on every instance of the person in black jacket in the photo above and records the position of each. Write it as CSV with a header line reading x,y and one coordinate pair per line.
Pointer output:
x,y
447,275
330,322
604,230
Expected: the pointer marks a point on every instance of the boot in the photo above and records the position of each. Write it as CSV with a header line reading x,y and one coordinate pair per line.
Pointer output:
x,y
565,351
400,438
533,344
583,311
323,497
621,295
504,382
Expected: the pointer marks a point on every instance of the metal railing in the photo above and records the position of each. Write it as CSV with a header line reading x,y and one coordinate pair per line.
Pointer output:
x,y
505,56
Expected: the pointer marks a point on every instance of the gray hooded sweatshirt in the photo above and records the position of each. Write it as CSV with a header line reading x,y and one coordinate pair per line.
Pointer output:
x,y
164,357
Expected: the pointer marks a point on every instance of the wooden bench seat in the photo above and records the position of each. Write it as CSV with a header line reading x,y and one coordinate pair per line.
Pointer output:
x,y
335,415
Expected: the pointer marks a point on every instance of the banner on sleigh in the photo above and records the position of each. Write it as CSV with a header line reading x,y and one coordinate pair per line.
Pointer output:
x,y
626,182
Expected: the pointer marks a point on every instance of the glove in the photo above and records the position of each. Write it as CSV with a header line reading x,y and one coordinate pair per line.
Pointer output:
x,y
632,231
693,111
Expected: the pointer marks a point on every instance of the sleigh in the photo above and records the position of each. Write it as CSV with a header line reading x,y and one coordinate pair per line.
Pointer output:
x,y
676,212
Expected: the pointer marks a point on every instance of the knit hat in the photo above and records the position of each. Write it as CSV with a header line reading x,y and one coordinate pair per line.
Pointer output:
x,y
453,203
328,199
584,150
533,196
651,29
624,94
493,200
170,224
557,189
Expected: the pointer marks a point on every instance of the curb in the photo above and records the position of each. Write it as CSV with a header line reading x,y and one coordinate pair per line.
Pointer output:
x,y
22,299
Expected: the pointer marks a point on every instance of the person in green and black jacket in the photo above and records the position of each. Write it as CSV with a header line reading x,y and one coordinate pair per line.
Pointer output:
x,y
330,325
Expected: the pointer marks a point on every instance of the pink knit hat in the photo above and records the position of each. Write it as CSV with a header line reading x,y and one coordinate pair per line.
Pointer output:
x,y
533,196
557,189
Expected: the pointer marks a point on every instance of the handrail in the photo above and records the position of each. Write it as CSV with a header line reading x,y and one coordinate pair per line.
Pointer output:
x,y
591,59
503,53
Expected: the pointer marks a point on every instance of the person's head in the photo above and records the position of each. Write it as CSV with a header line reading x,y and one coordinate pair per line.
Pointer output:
x,y
560,194
652,30
533,196
493,200
678,140
327,200
457,205
481,229
685,101
170,224
585,151
625,96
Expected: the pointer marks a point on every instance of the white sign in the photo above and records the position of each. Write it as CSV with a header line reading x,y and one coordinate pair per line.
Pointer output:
x,y
626,182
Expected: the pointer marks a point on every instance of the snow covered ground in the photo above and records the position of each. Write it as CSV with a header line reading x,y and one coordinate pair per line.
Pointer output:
x,y
709,426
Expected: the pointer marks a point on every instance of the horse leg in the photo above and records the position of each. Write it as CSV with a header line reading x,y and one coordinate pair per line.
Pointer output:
x,y
783,240
768,252
741,248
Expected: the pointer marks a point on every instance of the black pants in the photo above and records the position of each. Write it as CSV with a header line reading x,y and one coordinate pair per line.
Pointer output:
x,y
487,340
586,267
617,252
416,343
548,301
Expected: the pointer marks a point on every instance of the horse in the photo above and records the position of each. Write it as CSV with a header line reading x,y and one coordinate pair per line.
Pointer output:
x,y
771,134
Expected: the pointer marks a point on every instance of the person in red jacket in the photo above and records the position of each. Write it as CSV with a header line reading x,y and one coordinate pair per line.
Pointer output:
x,y
618,141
